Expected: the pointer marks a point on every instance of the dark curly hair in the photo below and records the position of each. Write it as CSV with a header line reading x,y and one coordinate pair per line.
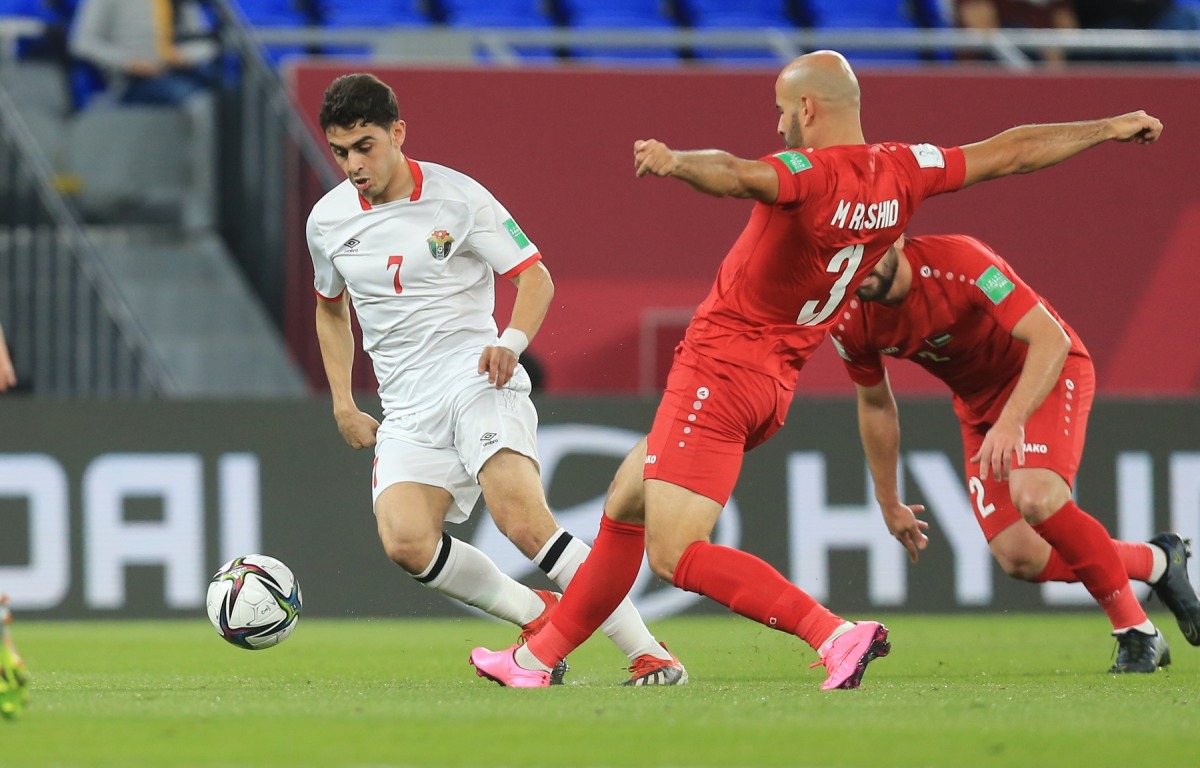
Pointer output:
x,y
360,97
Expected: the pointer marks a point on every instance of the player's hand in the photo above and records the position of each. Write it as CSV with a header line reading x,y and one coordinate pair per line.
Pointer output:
x,y
498,363
1137,127
144,68
652,156
357,428
902,522
995,457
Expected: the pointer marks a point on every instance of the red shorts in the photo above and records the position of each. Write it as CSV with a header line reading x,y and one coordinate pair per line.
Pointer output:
x,y
711,414
1054,439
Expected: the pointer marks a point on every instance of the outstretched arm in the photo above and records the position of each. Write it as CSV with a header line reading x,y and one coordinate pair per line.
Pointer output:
x,y
710,171
879,428
1029,148
535,289
1048,349
337,353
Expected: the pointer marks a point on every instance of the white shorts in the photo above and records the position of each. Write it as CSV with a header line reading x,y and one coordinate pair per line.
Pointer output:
x,y
447,445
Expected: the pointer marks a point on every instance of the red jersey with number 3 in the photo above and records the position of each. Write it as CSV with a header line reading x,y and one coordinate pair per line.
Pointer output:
x,y
799,260
955,322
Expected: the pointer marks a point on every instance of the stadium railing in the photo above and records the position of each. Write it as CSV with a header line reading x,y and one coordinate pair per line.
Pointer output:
x,y
1012,48
68,330
270,167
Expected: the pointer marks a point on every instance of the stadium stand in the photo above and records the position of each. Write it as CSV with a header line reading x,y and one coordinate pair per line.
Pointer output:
x,y
515,14
877,15
380,13
634,15
280,13
753,14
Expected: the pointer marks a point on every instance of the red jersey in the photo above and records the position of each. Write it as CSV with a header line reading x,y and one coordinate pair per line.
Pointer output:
x,y
797,261
956,322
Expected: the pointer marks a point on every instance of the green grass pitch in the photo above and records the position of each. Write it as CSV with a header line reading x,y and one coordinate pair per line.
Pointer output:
x,y
964,690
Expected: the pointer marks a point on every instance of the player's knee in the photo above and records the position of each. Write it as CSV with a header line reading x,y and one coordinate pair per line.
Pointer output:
x,y
662,561
1034,505
410,555
1018,565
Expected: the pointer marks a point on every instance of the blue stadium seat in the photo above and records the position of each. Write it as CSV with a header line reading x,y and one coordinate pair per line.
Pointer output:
x,y
746,14
377,13
275,13
877,14
502,13
29,8
278,13
496,13
742,14
620,14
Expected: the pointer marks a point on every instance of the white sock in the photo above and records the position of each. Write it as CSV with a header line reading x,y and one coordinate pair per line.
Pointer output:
x,y
842,629
1160,563
462,572
1146,627
560,558
525,658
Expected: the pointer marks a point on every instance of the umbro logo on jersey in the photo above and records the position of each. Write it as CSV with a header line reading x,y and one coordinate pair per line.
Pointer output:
x,y
487,438
439,244
351,245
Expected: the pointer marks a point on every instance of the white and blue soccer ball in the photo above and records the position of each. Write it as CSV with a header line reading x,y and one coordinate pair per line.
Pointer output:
x,y
254,602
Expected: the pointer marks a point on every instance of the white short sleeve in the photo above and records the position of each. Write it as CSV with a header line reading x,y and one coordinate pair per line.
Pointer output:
x,y
327,282
496,237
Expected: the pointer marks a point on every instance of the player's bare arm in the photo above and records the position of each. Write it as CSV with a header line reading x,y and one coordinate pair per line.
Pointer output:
x,y
337,354
1029,148
1048,348
535,290
710,171
879,428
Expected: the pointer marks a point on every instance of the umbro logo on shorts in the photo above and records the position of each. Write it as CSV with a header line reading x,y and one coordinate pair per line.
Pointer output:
x,y
487,438
351,245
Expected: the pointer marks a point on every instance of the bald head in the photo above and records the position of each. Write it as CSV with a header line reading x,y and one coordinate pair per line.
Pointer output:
x,y
825,76
818,99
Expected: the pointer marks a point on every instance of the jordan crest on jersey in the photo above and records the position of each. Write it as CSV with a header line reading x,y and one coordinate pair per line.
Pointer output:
x,y
439,244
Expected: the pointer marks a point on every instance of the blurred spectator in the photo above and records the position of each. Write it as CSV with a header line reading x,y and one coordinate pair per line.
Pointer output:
x,y
8,376
151,51
1140,14
1019,14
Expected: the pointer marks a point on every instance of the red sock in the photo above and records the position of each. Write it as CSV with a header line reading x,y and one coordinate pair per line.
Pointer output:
x,y
752,588
1088,550
599,586
1135,556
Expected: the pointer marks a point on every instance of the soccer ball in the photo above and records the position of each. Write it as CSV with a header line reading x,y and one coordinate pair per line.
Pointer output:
x,y
254,601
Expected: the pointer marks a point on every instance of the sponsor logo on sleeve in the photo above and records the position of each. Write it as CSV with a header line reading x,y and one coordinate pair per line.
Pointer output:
x,y
994,284
517,235
439,244
928,156
795,161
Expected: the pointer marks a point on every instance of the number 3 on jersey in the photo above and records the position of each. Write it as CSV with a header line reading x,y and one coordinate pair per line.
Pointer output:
x,y
846,262
396,261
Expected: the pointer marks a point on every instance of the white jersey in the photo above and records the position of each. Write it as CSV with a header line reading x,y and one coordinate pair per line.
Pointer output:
x,y
420,276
